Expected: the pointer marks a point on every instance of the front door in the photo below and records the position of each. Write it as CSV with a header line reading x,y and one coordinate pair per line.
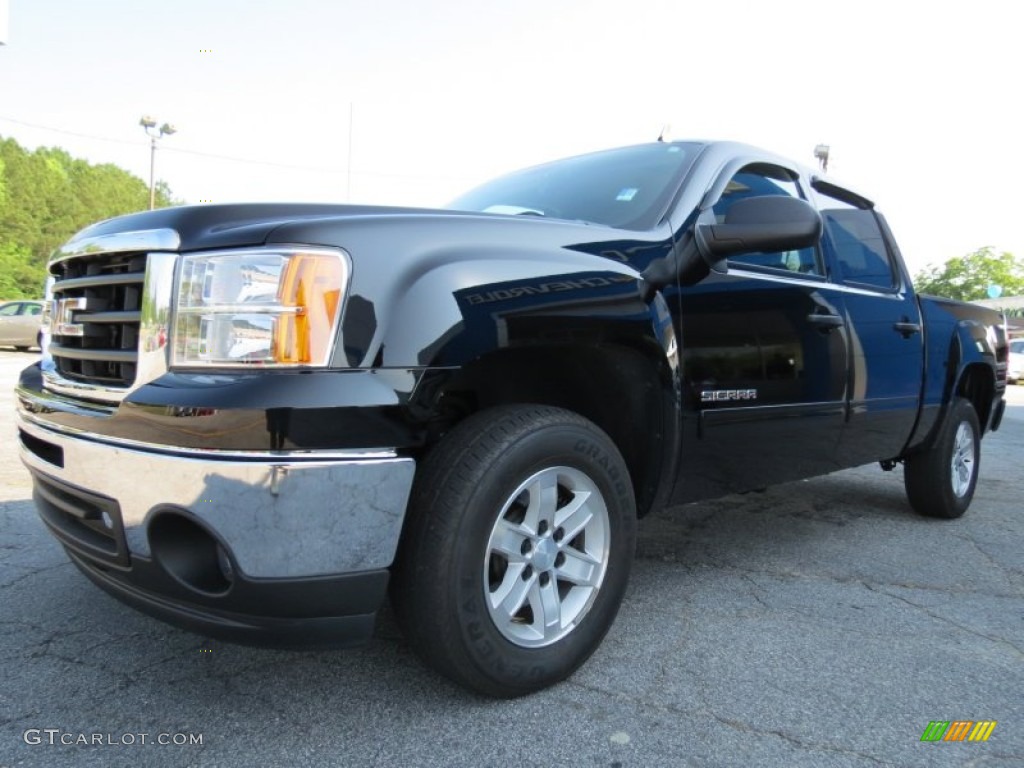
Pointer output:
x,y
765,354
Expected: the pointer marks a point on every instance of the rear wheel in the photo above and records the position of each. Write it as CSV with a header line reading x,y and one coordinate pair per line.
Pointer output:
x,y
517,549
940,481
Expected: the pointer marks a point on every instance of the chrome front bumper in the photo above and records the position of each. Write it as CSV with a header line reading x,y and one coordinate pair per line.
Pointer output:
x,y
279,515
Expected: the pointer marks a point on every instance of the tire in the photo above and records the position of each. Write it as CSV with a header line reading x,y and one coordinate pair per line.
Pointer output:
x,y
489,587
21,349
940,481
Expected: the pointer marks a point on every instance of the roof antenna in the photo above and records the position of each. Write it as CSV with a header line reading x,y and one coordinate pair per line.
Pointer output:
x,y
664,132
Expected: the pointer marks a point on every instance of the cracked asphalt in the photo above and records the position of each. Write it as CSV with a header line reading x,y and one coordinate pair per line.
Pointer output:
x,y
820,623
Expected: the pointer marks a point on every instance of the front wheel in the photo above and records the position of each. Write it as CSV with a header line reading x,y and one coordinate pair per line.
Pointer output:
x,y
940,480
517,550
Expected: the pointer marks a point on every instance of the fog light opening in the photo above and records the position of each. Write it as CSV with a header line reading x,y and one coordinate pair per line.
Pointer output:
x,y
189,553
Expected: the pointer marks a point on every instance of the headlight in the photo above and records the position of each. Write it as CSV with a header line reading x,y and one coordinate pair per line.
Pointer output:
x,y
266,306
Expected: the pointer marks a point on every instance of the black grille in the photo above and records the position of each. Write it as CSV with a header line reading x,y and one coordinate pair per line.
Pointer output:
x,y
97,302
86,522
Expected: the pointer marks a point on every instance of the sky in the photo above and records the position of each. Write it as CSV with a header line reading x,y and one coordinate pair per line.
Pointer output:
x,y
410,103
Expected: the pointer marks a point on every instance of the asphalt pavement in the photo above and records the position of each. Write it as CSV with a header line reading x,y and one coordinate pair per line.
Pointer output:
x,y
820,623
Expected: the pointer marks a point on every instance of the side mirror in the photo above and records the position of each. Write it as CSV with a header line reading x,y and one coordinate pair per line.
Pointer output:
x,y
759,225
762,224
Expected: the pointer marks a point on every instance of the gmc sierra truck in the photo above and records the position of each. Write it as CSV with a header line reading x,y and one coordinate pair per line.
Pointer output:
x,y
257,421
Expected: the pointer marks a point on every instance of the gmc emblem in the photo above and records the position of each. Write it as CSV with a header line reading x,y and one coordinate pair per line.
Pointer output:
x,y
61,324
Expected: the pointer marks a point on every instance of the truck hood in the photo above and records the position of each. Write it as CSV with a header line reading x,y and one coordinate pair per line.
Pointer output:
x,y
404,234
234,225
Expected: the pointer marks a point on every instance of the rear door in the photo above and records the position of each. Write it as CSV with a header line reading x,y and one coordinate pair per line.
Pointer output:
x,y
9,323
23,327
884,320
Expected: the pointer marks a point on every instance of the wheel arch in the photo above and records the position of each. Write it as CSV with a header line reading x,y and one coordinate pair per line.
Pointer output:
x,y
972,365
961,354
627,388
977,383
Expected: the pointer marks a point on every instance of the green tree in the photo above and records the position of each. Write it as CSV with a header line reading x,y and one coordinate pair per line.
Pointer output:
x,y
20,277
46,195
968,278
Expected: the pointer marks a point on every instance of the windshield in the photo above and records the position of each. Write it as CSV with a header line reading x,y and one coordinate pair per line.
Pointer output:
x,y
627,188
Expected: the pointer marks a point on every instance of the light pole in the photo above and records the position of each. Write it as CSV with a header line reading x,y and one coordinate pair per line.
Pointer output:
x,y
821,152
149,125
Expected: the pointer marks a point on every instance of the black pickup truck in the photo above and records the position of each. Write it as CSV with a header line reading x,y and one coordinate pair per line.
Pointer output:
x,y
256,421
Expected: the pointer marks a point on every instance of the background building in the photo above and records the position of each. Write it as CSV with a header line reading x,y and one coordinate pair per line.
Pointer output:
x,y
1013,307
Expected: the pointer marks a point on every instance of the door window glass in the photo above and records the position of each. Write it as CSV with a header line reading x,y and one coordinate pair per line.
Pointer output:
x,y
857,244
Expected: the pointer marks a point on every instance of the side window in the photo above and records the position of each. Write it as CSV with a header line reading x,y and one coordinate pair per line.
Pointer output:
x,y
32,309
755,181
856,243
9,310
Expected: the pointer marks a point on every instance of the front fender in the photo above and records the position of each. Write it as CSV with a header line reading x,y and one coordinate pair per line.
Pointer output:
x,y
450,316
442,289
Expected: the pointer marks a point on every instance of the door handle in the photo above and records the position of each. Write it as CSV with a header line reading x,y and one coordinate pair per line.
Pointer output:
x,y
825,322
906,329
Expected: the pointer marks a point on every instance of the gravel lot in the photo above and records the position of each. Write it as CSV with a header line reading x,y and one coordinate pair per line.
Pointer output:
x,y
817,624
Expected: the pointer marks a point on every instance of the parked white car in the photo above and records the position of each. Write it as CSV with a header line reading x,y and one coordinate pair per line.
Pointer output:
x,y
20,324
1015,374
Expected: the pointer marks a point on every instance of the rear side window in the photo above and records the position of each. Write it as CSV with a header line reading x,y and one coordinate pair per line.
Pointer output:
x,y
857,244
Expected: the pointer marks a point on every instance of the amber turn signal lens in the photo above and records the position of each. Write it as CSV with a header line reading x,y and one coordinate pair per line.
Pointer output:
x,y
312,285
